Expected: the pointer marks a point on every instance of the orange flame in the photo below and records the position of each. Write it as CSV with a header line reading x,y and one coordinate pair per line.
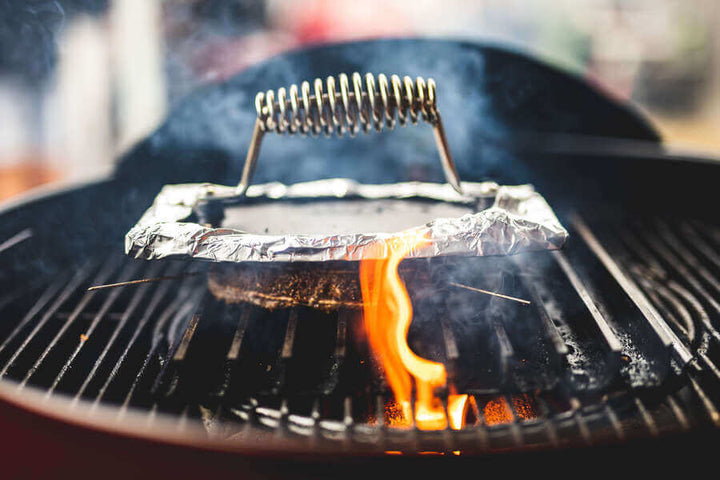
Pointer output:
x,y
387,312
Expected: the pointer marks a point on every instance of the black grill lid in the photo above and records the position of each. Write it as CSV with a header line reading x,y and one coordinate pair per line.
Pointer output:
x,y
491,98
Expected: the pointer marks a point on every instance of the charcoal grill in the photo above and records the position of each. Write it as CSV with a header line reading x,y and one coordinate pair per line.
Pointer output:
x,y
616,357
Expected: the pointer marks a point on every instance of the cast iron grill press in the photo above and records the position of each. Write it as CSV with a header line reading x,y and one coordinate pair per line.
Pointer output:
x,y
339,219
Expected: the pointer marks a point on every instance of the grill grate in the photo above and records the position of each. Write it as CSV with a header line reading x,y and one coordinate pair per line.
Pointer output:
x,y
620,341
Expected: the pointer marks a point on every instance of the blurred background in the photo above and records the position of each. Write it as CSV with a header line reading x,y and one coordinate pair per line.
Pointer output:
x,y
82,80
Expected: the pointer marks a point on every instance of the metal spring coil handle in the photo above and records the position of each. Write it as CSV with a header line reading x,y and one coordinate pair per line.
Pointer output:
x,y
348,108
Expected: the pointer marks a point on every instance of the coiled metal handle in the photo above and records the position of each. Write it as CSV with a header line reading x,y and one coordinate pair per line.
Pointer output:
x,y
348,105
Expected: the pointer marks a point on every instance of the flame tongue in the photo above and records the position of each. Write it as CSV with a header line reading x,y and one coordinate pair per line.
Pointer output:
x,y
387,316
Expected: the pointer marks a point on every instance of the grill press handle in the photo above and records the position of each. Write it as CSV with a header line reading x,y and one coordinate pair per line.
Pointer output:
x,y
352,108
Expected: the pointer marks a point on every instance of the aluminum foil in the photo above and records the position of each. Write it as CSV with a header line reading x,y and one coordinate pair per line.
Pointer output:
x,y
504,220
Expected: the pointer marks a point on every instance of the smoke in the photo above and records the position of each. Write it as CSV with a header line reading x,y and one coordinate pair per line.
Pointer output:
x,y
28,33
221,117
27,37
488,99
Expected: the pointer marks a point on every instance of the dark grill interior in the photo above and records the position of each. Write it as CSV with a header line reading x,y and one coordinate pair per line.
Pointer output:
x,y
620,341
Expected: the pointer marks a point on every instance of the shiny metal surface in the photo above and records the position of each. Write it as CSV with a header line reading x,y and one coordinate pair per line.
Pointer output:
x,y
517,220
347,110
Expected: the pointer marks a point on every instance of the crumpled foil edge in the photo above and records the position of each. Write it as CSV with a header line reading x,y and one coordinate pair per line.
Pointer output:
x,y
518,220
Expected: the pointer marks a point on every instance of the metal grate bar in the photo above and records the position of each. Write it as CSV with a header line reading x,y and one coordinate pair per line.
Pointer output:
x,y
451,351
687,256
549,421
611,340
665,295
347,411
481,433
710,364
506,349
89,316
451,348
656,271
675,263
550,329
677,411
105,273
234,351
709,406
698,307
708,252
189,308
634,245
577,415
658,325
13,295
187,337
70,288
614,421
127,274
647,418
711,231
16,239
515,429
345,316
155,301
287,348
49,293
183,419
131,307
380,410
174,310
152,415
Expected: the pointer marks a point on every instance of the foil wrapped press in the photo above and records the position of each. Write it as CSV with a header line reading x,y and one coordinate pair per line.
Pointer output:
x,y
501,220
